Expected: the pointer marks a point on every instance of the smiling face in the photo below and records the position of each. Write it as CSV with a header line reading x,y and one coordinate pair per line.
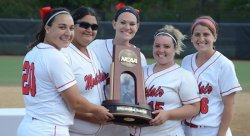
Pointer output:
x,y
83,36
126,26
61,33
164,50
203,39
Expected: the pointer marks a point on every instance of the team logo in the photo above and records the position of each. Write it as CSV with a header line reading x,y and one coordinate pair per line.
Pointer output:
x,y
128,58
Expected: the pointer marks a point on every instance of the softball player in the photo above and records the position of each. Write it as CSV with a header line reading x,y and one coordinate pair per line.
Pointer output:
x,y
170,90
87,70
126,24
48,84
89,77
217,82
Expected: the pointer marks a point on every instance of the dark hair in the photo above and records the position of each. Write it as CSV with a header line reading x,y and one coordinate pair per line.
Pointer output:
x,y
127,9
82,12
41,33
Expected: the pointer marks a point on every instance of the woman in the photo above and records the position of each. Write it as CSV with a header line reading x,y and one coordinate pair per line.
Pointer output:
x,y
217,81
126,24
87,70
171,91
49,86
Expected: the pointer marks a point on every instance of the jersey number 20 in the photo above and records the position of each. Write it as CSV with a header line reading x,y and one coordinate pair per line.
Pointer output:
x,y
28,79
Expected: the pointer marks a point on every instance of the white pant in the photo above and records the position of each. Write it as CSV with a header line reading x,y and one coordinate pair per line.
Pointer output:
x,y
75,134
33,127
204,131
114,130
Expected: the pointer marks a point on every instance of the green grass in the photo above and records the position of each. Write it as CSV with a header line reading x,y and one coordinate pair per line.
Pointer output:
x,y
10,71
243,74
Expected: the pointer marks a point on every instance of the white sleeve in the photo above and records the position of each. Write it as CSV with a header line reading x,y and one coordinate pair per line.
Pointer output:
x,y
94,45
60,72
228,81
143,60
66,52
189,92
186,62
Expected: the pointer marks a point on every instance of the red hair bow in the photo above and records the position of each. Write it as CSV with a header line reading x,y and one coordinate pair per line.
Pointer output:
x,y
121,5
44,11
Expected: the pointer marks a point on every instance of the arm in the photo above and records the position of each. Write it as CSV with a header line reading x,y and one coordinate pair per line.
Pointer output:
x,y
78,103
181,113
227,114
90,117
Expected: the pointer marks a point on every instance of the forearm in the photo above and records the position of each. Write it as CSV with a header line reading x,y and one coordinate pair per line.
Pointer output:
x,y
185,111
227,115
175,114
87,117
77,102
225,123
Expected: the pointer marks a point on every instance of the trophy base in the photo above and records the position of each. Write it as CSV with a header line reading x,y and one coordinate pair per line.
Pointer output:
x,y
129,114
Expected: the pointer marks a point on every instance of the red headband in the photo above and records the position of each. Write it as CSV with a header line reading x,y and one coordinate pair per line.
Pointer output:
x,y
44,11
206,21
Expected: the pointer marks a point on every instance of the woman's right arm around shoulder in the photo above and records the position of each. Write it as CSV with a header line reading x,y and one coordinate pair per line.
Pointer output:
x,y
80,104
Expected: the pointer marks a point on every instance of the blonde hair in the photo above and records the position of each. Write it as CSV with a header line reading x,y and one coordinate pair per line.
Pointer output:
x,y
175,34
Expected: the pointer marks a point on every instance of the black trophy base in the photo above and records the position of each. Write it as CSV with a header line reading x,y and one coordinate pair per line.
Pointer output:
x,y
129,114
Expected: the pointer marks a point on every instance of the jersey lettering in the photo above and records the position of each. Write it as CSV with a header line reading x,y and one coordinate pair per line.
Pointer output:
x,y
204,101
205,89
28,79
91,82
153,92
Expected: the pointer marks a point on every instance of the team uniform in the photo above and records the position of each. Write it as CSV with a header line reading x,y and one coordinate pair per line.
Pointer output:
x,y
43,81
89,77
104,52
168,89
216,78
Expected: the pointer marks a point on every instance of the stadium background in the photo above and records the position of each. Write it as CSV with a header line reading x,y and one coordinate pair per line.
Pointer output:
x,y
19,21
233,40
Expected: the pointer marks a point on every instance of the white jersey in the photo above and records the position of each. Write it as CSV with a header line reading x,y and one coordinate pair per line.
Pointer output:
x,y
168,89
215,78
89,77
46,73
104,52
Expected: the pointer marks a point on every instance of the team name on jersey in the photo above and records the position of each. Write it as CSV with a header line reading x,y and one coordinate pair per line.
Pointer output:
x,y
91,82
205,89
154,92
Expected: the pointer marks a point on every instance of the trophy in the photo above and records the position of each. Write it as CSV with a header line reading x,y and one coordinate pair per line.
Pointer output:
x,y
127,93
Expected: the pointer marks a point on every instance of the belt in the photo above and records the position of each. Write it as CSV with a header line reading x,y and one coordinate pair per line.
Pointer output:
x,y
33,118
191,125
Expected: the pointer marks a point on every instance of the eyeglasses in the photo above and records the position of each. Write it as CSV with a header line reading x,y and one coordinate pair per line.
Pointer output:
x,y
87,25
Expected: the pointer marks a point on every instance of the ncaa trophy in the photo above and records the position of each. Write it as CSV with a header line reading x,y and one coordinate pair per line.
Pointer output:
x,y
127,93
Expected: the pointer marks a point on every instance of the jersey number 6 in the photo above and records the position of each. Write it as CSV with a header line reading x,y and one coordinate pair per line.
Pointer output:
x,y
28,79
204,105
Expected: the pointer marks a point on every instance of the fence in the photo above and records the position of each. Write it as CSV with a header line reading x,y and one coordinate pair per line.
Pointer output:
x,y
233,40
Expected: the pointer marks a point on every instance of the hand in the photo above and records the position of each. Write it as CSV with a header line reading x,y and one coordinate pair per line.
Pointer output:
x,y
103,115
160,117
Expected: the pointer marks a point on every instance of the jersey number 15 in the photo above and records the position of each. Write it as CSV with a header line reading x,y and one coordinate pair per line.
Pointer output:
x,y
28,79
